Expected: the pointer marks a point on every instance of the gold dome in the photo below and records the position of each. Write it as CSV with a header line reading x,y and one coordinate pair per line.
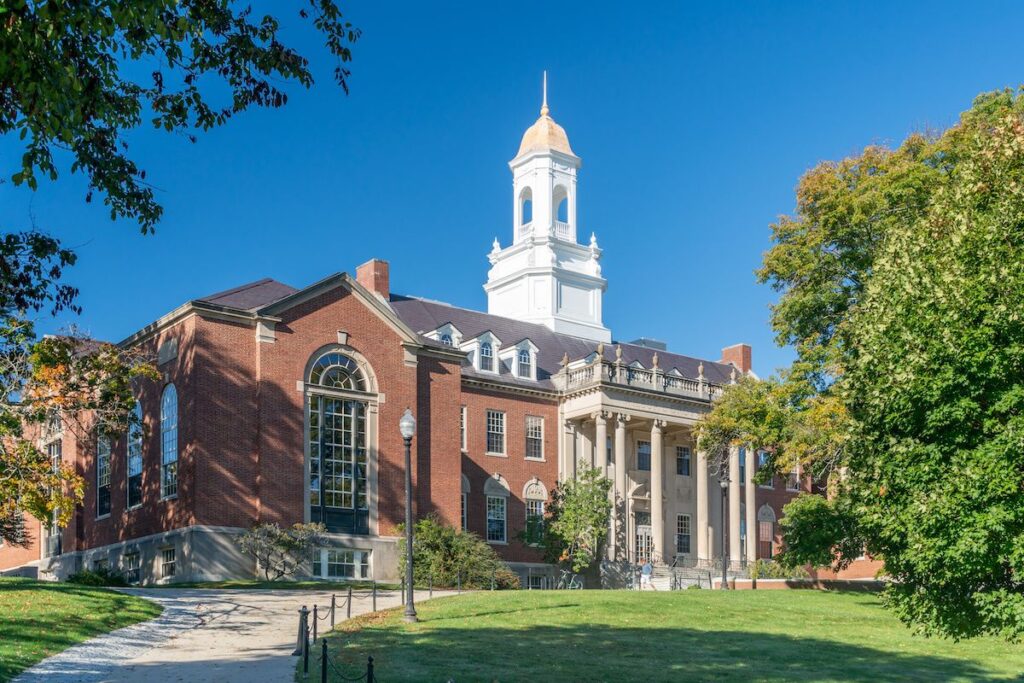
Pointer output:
x,y
545,135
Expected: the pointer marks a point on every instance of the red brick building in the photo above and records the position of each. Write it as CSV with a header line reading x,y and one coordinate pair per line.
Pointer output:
x,y
278,404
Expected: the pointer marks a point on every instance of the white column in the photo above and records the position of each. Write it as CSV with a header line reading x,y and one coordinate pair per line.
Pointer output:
x,y
703,549
735,554
621,508
658,491
601,442
751,502
569,462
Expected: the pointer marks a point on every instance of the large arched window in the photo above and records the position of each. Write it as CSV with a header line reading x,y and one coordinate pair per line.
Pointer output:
x,y
338,452
102,475
765,532
337,371
134,457
526,206
169,442
560,202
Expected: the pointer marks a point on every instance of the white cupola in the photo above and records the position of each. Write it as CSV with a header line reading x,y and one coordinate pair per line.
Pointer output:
x,y
545,276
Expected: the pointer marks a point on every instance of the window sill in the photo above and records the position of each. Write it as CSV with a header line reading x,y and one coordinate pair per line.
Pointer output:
x,y
102,517
529,459
496,455
171,497
133,507
497,542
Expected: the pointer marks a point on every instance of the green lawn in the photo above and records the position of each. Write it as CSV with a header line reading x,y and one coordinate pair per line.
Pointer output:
x,y
701,635
40,618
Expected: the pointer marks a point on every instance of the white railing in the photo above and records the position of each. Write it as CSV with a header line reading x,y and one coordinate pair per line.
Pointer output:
x,y
562,230
525,229
599,371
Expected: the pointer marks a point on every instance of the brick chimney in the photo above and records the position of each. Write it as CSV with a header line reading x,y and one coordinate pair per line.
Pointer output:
x,y
738,355
374,275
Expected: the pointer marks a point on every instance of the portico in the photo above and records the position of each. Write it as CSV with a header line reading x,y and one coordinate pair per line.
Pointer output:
x,y
635,425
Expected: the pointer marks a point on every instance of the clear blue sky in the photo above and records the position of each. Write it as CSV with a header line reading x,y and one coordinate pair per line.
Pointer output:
x,y
694,123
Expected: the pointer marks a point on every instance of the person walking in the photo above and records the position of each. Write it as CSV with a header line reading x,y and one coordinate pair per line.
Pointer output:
x,y
645,575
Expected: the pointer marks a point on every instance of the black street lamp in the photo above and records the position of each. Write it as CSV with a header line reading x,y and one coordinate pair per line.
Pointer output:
x,y
407,426
724,483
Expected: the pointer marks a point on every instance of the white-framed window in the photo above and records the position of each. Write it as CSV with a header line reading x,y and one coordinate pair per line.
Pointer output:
x,y
682,534
102,475
534,521
132,566
525,364
743,524
169,442
496,432
534,437
133,454
341,563
487,357
462,428
643,456
743,466
793,480
465,514
446,339
683,461
496,527
168,563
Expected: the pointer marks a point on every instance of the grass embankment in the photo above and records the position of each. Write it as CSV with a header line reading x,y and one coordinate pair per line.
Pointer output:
x,y
687,635
41,618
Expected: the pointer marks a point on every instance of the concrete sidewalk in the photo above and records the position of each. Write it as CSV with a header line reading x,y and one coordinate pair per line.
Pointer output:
x,y
227,636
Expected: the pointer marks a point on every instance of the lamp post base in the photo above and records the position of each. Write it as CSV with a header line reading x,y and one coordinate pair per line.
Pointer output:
x,y
410,618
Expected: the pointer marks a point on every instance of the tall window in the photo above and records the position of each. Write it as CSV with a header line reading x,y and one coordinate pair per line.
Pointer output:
x,y
496,432
168,563
762,462
683,460
55,451
743,466
487,357
534,437
534,521
496,518
465,518
337,453
134,453
169,442
525,363
793,480
682,534
132,566
643,455
102,476
462,428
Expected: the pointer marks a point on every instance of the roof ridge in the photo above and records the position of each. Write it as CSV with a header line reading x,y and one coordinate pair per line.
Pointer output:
x,y
239,288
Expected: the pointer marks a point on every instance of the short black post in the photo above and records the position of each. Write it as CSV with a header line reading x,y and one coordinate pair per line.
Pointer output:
x,y
316,621
305,656
302,631
348,604
403,590
369,670
374,595
323,662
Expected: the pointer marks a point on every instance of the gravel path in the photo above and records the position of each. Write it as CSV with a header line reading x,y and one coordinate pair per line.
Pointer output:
x,y
227,636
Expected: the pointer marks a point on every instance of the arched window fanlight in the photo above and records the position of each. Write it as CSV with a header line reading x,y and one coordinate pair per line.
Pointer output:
x,y
337,371
486,356
446,339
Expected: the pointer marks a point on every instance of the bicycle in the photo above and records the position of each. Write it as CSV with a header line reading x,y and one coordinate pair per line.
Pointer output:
x,y
569,581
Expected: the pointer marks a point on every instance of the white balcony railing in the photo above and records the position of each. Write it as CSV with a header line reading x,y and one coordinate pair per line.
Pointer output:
x,y
562,230
604,371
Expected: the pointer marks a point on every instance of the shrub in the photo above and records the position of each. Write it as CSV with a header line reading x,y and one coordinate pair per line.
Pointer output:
x,y
280,552
442,554
766,569
97,577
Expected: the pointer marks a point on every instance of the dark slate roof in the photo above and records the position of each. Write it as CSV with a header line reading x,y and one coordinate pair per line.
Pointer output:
x,y
251,296
424,316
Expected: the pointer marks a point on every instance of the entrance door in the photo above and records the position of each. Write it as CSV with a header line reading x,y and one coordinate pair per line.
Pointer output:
x,y
643,541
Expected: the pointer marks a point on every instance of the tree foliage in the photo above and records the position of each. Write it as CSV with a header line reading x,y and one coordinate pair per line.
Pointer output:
x,y
280,552
446,557
902,283
577,520
74,76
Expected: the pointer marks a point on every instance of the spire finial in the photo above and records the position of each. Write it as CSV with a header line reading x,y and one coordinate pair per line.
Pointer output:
x,y
544,104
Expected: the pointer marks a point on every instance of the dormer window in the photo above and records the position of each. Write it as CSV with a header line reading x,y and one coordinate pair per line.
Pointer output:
x,y
446,339
525,363
446,334
487,357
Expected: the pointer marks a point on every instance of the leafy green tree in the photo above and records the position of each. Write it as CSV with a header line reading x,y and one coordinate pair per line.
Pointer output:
x,y
445,557
577,520
902,285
